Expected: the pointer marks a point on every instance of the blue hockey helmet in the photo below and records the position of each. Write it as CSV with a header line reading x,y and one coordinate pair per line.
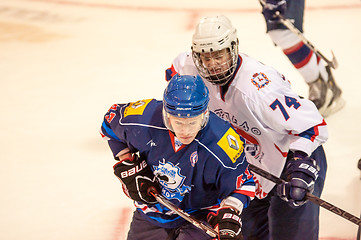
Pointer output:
x,y
186,96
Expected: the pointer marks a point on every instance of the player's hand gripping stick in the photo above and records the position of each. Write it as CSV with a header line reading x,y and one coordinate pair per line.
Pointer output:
x,y
137,179
309,196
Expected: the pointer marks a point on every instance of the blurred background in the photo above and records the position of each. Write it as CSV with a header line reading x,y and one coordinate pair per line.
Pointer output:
x,y
64,63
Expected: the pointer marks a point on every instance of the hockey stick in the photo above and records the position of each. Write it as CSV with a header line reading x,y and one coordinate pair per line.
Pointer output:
x,y
309,196
359,227
210,231
359,233
333,63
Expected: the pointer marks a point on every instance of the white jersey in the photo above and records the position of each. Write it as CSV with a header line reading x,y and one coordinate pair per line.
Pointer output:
x,y
271,117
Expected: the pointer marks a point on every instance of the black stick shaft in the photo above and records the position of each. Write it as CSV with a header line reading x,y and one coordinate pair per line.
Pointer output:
x,y
210,231
309,196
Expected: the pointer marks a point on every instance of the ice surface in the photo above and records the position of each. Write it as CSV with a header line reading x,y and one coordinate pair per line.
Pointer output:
x,y
64,63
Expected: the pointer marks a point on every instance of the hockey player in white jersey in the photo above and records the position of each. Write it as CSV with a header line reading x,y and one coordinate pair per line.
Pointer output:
x,y
283,132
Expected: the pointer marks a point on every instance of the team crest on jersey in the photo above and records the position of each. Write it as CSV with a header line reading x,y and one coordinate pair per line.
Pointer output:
x,y
231,144
171,180
136,108
194,158
260,80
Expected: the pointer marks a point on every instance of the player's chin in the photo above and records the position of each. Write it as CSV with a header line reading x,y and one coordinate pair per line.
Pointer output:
x,y
217,76
186,140
215,73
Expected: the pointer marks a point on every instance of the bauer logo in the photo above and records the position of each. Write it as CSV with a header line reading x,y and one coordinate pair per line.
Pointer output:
x,y
134,170
231,144
136,108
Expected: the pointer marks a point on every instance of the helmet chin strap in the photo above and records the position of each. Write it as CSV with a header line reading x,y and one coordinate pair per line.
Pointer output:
x,y
205,118
166,120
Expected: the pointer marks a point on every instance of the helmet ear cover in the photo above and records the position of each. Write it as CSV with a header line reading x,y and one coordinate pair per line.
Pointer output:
x,y
185,97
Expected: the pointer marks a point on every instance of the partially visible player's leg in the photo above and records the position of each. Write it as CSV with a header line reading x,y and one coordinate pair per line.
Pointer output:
x,y
189,231
287,223
302,222
255,219
142,229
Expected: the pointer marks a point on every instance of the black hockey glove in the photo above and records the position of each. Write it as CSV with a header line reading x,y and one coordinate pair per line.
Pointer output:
x,y
137,179
227,223
302,172
273,6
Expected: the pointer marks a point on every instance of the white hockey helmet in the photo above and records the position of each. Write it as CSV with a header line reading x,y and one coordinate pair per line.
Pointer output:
x,y
213,34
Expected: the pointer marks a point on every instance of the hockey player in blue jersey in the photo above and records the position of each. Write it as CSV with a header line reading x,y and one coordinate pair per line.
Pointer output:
x,y
188,154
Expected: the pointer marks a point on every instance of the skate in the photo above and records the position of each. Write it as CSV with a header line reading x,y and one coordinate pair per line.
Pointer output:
x,y
326,96
318,92
337,102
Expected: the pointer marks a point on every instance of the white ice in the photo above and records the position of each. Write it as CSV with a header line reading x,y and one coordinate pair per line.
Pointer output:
x,y
64,63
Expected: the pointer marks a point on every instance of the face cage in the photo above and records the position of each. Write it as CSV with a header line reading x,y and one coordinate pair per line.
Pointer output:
x,y
169,126
222,78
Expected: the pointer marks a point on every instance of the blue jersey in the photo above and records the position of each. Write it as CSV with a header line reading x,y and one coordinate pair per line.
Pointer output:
x,y
195,177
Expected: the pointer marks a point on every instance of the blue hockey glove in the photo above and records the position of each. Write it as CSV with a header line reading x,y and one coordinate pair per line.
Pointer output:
x,y
137,179
302,172
273,6
227,223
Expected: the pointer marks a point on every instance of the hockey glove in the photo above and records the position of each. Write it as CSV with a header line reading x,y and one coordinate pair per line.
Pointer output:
x,y
273,6
302,172
137,179
227,223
